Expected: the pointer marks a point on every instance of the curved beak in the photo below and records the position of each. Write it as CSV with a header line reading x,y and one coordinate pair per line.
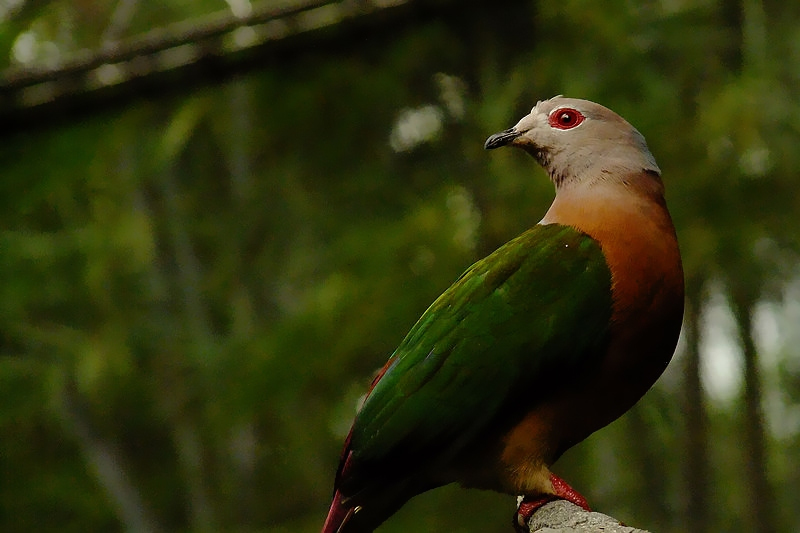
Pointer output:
x,y
502,139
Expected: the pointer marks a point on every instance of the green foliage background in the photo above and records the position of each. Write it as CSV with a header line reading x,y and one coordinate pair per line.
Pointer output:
x,y
197,288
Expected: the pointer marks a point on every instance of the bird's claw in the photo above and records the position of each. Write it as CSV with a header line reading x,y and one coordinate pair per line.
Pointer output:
x,y
525,509
527,506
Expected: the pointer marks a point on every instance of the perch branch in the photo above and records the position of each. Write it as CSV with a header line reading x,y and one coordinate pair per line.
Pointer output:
x,y
562,516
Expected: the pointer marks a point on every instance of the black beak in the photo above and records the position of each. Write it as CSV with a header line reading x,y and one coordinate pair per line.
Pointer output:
x,y
501,139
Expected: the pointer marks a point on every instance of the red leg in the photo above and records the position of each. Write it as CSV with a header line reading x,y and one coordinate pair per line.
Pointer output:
x,y
563,491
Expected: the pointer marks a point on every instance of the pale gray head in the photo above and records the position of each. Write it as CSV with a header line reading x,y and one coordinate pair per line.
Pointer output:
x,y
578,140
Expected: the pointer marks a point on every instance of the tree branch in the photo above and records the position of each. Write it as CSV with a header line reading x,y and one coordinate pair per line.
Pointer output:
x,y
562,516
107,462
209,47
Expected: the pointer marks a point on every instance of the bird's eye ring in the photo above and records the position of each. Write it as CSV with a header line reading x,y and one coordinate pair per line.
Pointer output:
x,y
565,118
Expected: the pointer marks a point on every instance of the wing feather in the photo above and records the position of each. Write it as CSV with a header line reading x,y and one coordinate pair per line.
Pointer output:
x,y
537,308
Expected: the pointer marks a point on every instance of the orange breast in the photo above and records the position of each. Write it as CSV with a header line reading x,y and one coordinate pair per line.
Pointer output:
x,y
635,231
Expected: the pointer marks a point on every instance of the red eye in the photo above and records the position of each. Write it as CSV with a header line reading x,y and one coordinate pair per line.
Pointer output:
x,y
565,118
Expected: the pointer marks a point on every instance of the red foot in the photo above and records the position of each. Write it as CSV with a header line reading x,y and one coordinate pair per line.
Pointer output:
x,y
563,491
525,511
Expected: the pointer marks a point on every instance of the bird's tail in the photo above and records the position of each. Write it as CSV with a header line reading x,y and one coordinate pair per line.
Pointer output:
x,y
338,515
346,517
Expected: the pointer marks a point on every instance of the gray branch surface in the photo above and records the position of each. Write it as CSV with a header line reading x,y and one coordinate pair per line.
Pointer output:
x,y
564,517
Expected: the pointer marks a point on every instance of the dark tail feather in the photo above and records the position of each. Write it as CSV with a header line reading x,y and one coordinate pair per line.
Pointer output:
x,y
338,515
382,503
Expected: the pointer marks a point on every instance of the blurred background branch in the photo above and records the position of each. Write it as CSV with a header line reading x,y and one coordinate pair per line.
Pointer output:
x,y
107,463
205,48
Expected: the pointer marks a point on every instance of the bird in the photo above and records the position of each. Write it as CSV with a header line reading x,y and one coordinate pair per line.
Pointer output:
x,y
533,348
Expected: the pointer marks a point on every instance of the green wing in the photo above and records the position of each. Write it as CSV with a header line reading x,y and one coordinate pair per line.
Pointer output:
x,y
536,308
